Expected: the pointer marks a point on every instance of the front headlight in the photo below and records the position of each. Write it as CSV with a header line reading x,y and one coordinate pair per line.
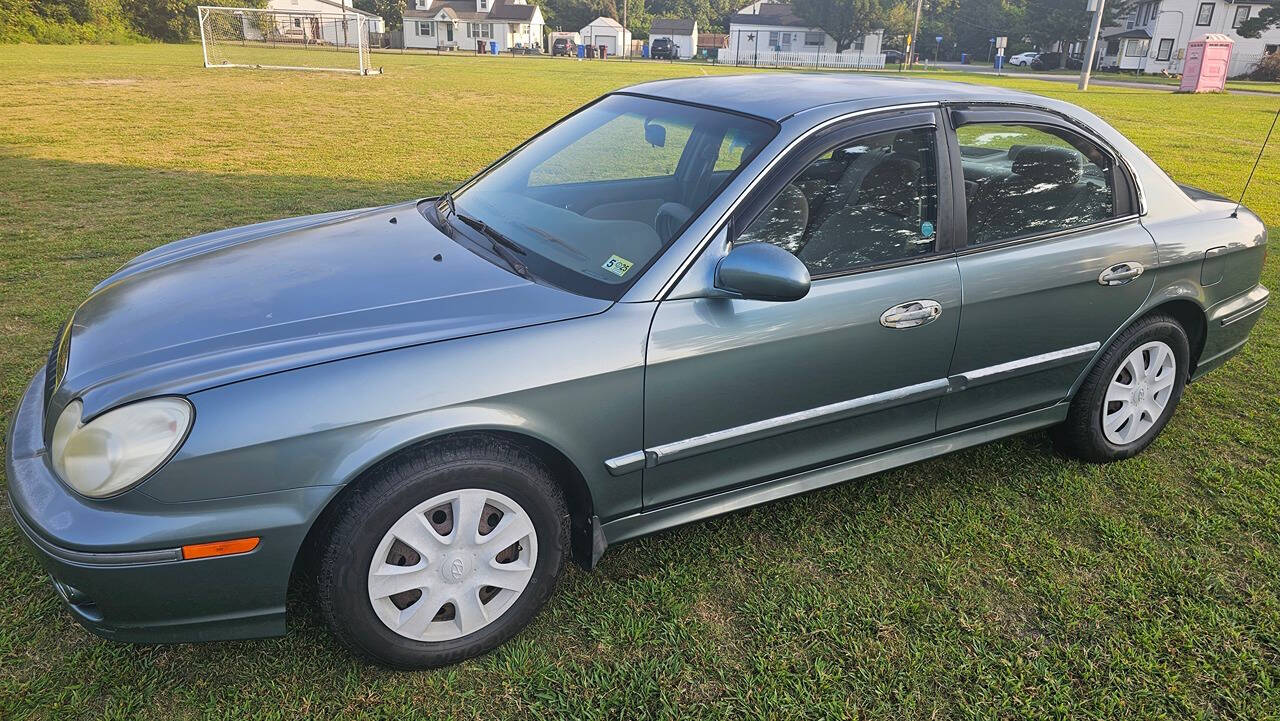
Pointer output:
x,y
118,448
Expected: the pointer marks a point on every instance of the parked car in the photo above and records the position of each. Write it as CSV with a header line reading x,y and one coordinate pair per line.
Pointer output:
x,y
1023,59
1053,61
428,408
894,57
664,49
564,46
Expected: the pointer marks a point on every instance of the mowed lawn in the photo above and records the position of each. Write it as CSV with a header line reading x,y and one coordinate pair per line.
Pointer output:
x,y
998,582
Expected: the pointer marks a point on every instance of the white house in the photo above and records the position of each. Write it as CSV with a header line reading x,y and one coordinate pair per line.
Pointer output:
x,y
1154,36
683,33
607,32
466,24
328,21
771,33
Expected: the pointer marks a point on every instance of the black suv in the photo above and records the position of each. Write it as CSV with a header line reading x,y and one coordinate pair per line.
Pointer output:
x,y
1053,61
664,49
564,46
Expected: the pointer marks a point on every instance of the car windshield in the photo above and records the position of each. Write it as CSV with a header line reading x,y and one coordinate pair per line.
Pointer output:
x,y
591,202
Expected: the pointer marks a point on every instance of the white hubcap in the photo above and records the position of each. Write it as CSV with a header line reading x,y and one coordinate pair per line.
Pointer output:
x,y
452,565
1139,393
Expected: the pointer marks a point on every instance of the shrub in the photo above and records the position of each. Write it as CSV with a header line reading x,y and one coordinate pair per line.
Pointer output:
x,y
1268,68
77,21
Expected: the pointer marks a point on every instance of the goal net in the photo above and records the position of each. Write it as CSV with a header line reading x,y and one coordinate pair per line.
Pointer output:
x,y
287,39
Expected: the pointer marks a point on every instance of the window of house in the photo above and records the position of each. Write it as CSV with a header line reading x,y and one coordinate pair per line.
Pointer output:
x,y
1165,50
426,28
812,39
297,23
1136,48
1242,14
1023,180
873,200
1206,14
479,30
1142,14
1113,47
420,4
484,4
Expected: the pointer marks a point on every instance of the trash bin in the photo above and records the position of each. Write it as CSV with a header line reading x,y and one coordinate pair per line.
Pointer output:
x,y
603,51
582,51
644,51
964,58
493,47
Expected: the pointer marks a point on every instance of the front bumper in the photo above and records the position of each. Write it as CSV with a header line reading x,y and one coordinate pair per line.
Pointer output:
x,y
117,562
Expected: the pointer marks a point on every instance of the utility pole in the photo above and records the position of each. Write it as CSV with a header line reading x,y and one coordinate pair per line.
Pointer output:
x,y
911,41
625,39
1086,67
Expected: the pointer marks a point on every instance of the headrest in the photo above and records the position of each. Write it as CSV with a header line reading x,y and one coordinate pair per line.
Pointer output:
x,y
1047,164
890,186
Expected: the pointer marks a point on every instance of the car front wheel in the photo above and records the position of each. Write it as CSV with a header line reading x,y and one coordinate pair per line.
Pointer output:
x,y
1130,394
442,554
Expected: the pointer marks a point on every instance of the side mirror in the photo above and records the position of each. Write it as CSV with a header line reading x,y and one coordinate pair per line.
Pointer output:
x,y
762,271
655,134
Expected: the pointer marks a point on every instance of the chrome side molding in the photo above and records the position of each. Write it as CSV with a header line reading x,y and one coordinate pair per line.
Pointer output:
x,y
737,435
1044,361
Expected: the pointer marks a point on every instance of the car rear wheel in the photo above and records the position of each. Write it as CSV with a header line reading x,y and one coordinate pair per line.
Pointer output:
x,y
442,554
1130,394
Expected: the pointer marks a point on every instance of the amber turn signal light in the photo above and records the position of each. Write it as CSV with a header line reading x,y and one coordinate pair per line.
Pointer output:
x,y
219,548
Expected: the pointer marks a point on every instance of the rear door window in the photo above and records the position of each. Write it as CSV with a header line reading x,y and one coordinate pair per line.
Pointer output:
x,y
1025,180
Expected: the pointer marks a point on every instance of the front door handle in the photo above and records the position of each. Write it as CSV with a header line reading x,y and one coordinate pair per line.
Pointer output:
x,y
1120,273
911,314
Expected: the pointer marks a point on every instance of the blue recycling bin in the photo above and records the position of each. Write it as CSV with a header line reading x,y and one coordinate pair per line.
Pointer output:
x,y
582,51
964,58
644,51
493,47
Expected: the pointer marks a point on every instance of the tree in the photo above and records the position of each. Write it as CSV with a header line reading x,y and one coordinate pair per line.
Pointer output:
x,y
1267,18
1053,21
846,21
391,11
898,19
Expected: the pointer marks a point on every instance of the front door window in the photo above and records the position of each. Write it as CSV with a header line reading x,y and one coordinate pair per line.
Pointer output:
x,y
872,200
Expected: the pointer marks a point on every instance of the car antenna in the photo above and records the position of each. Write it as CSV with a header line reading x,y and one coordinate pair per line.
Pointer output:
x,y
1235,213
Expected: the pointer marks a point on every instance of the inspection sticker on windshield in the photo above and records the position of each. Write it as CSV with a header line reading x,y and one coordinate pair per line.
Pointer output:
x,y
617,265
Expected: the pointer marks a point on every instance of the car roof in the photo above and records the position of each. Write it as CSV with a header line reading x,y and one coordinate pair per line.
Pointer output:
x,y
778,96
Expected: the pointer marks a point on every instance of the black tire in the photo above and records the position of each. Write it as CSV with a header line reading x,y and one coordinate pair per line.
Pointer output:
x,y
1081,434
393,489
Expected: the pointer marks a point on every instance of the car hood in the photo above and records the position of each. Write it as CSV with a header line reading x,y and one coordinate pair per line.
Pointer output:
x,y
244,302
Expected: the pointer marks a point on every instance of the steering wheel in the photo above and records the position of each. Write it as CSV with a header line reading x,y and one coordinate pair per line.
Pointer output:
x,y
669,219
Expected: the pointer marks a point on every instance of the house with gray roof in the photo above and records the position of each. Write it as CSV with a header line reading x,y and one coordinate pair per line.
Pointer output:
x,y
771,33
468,24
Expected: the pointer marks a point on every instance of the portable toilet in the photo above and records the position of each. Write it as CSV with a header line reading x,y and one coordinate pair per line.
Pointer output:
x,y
1205,69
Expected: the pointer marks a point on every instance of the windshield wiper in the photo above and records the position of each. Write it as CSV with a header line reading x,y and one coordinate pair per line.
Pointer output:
x,y
502,246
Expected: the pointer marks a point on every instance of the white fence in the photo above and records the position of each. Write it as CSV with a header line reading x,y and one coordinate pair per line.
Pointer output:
x,y
797,59
1241,64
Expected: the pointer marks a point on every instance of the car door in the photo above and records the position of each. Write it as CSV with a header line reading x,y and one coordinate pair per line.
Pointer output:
x,y
738,391
1055,260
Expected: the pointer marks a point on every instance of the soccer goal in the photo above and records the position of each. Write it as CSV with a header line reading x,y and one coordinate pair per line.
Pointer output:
x,y
287,39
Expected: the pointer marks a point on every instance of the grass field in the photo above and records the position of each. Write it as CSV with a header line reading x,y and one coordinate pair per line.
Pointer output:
x,y
994,583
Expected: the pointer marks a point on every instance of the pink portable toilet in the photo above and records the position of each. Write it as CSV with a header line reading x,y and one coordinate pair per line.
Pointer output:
x,y
1205,69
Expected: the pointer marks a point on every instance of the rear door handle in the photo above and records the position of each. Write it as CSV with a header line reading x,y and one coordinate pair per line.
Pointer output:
x,y
911,314
1120,273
